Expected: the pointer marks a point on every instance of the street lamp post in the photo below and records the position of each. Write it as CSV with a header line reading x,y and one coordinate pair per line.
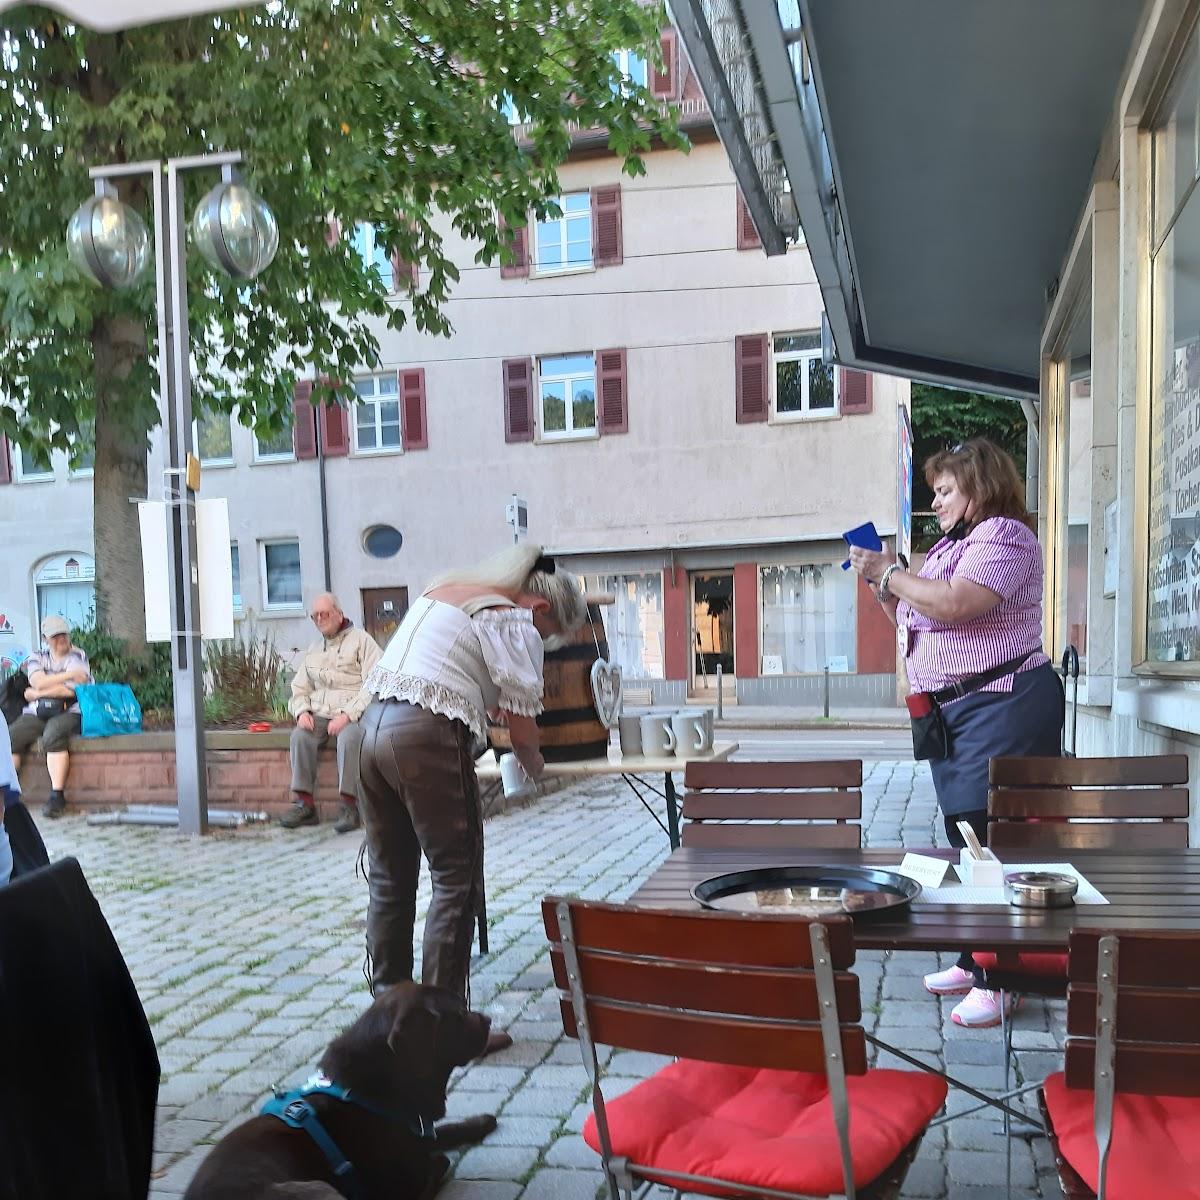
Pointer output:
x,y
236,231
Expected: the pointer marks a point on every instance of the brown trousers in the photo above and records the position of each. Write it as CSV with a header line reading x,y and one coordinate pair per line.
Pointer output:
x,y
419,796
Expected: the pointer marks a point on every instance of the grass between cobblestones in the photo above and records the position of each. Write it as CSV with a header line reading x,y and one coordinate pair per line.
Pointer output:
x,y
246,948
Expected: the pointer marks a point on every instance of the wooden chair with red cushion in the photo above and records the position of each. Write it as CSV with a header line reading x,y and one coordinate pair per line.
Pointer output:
x,y
773,805
769,1093
1124,1115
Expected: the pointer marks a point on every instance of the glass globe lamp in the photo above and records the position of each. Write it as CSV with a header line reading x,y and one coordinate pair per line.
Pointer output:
x,y
109,242
235,230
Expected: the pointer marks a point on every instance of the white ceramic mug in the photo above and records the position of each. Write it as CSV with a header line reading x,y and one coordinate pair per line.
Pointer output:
x,y
630,732
516,783
692,736
658,738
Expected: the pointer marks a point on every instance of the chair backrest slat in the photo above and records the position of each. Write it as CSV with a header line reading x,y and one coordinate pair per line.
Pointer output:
x,y
772,806
768,993
1088,803
1153,769
1091,835
832,773
1100,803
1157,1069
1145,1013
1148,960
799,795
786,836
729,939
778,1045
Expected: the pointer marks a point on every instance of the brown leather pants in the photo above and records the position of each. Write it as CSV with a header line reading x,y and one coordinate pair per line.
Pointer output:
x,y
419,796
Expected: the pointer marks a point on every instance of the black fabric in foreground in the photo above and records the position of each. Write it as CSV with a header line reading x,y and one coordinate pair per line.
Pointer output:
x,y
80,1069
28,849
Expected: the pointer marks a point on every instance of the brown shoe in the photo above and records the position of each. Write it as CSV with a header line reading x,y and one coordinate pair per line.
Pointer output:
x,y
348,819
299,814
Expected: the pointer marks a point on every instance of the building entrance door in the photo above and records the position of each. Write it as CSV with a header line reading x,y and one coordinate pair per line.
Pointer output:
x,y
383,610
712,632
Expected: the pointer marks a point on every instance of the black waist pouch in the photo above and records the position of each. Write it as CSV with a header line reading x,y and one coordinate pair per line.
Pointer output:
x,y
931,739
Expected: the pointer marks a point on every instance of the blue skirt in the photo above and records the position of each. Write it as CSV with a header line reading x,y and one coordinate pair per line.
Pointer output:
x,y
1025,722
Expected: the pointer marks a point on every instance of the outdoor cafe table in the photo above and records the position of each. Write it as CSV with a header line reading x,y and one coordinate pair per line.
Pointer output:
x,y
633,769
1156,891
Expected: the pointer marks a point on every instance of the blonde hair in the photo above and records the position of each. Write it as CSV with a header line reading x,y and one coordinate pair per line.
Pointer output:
x,y
987,475
512,572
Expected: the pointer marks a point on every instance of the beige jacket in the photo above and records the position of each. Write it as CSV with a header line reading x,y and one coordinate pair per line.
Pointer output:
x,y
330,677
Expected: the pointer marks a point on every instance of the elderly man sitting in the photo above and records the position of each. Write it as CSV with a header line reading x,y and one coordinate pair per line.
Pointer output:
x,y
51,712
327,700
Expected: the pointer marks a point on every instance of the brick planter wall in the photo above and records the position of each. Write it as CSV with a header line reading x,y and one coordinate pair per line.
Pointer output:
x,y
248,772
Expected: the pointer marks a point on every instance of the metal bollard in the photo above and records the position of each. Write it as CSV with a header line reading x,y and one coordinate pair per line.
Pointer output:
x,y
826,703
720,694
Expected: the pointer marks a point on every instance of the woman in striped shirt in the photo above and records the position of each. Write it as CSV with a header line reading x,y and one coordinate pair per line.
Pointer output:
x,y
975,606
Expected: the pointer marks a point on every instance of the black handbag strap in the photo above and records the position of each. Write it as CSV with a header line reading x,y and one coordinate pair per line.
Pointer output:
x,y
974,682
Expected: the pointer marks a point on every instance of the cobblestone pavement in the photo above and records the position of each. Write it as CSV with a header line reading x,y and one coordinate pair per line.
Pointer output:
x,y
247,952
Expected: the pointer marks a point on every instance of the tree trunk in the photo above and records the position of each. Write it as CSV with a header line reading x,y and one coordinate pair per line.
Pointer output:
x,y
120,473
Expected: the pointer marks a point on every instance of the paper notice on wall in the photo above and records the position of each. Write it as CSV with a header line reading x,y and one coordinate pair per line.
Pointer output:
x,y
214,569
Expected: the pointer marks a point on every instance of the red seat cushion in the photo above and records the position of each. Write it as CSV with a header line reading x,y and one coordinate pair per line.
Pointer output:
x,y
1038,966
767,1128
1155,1143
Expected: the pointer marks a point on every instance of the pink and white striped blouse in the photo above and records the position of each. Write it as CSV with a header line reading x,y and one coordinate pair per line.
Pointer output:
x,y
1002,554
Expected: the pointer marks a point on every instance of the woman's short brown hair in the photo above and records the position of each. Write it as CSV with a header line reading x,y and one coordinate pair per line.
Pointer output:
x,y
987,475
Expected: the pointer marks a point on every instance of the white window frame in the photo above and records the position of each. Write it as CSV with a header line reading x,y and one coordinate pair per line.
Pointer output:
x,y
375,402
806,356
570,434
368,253
624,59
235,561
268,607
18,469
537,268
208,463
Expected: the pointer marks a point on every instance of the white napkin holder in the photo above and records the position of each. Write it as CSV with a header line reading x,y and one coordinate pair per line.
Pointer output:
x,y
980,872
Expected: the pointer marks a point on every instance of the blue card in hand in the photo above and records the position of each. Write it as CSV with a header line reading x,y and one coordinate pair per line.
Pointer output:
x,y
864,537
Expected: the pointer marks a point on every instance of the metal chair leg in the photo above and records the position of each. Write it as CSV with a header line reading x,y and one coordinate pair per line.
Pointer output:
x,y
1006,1038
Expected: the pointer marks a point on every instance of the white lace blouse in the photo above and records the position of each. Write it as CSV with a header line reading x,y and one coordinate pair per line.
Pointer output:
x,y
460,666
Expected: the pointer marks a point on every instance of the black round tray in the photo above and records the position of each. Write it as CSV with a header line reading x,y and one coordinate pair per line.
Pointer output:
x,y
808,891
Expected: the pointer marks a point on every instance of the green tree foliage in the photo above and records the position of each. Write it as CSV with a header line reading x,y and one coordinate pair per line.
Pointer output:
x,y
364,110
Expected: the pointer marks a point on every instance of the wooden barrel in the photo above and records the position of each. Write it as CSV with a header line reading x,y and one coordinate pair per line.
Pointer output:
x,y
570,728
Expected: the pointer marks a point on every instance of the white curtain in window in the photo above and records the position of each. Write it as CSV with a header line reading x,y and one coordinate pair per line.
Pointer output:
x,y
634,623
808,619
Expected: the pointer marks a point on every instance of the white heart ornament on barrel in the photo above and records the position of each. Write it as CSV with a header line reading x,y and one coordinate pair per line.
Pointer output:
x,y
606,692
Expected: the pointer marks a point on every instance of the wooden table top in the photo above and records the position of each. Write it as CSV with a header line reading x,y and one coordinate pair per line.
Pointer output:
x,y
614,764
1153,891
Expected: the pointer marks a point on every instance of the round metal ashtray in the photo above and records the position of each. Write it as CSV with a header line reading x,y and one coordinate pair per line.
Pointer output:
x,y
1040,889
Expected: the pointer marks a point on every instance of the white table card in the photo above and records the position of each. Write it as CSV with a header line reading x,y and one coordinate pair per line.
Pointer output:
x,y
928,872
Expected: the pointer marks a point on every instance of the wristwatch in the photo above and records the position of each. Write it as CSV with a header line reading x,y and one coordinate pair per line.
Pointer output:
x,y
884,593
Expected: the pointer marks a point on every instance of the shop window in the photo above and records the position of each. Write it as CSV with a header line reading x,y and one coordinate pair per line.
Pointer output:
x,y
633,624
808,619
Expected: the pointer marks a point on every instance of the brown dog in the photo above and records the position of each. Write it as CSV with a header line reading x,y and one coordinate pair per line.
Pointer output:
x,y
394,1062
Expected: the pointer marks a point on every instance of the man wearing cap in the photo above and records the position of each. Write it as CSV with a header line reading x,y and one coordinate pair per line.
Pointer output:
x,y
51,712
327,701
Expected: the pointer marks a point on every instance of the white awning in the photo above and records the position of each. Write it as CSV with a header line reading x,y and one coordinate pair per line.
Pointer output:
x,y
107,16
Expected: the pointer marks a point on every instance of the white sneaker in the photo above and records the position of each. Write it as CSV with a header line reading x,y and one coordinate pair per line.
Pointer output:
x,y
955,981
981,1008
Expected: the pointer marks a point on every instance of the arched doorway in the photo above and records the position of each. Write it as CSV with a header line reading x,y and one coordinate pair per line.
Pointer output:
x,y
66,587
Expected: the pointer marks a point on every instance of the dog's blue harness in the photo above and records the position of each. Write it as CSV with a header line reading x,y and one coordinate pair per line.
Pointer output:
x,y
294,1110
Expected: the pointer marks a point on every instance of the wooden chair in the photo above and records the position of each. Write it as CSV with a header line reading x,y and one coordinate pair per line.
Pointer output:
x,y
1088,803
1124,1115
764,1014
773,805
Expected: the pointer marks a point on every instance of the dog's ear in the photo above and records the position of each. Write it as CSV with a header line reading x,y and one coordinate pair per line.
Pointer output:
x,y
412,1036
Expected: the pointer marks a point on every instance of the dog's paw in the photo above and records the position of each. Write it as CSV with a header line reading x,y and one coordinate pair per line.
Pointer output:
x,y
465,1131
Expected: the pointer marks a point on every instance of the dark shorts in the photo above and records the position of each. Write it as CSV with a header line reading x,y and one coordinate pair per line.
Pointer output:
x,y
1025,722
55,733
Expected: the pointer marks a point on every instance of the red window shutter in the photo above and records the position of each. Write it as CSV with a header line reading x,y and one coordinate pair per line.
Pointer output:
x,y
404,275
752,362
747,235
5,461
664,84
611,392
855,391
518,244
335,430
518,399
607,250
415,429
304,421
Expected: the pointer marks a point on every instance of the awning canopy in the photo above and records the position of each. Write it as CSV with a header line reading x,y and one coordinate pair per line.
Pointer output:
x,y
939,153
106,16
